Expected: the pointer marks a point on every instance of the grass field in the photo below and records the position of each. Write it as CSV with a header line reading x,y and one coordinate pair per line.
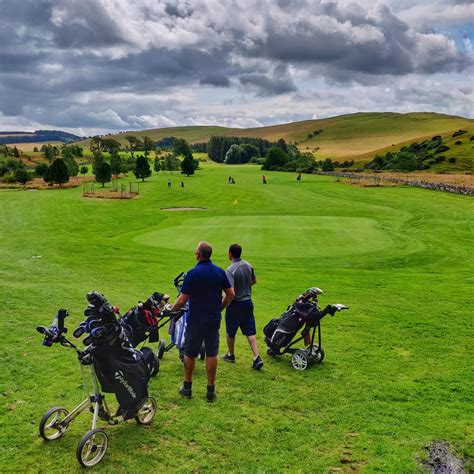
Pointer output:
x,y
398,367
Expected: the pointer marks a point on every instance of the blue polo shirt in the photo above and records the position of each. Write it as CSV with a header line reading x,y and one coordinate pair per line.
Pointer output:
x,y
204,284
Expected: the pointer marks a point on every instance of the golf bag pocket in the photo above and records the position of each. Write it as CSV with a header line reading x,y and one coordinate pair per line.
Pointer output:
x,y
269,329
126,374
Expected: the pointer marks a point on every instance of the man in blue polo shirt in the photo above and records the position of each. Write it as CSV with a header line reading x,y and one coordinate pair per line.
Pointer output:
x,y
203,287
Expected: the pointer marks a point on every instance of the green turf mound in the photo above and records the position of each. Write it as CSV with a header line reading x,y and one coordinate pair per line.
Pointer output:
x,y
267,236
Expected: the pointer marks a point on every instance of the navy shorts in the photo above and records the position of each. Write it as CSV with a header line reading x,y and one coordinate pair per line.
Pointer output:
x,y
239,314
197,334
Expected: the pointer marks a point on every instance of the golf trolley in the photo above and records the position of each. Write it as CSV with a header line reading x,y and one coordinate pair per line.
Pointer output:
x,y
303,313
108,361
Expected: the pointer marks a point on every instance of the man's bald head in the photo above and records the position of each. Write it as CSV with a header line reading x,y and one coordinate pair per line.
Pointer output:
x,y
203,251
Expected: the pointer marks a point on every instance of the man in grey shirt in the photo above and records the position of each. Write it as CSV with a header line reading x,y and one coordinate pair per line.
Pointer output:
x,y
240,312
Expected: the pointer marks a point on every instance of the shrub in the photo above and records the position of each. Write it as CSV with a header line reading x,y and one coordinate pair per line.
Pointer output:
x,y
458,133
452,159
41,169
458,142
9,177
22,176
441,149
327,165
274,159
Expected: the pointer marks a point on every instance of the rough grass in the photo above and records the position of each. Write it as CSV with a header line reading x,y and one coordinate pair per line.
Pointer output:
x,y
28,147
397,374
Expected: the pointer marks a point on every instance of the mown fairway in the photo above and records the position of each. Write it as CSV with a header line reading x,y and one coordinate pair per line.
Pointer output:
x,y
398,368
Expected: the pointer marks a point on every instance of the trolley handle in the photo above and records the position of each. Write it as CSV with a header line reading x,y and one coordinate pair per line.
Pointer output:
x,y
178,281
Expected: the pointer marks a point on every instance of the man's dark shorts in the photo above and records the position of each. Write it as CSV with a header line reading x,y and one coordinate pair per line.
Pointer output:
x,y
239,314
196,334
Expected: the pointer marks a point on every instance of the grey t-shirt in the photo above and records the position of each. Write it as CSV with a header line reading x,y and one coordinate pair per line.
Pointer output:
x,y
240,274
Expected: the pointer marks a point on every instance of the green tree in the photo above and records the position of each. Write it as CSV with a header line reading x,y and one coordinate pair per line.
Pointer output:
x,y
110,145
181,148
95,144
72,166
188,165
16,153
275,159
48,152
22,176
97,159
147,145
170,163
233,155
134,143
35,149
83,170
103,173
249,151
157,165
57,173
115,163
142,168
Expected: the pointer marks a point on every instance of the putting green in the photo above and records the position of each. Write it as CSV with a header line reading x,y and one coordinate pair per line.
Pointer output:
x,y
266,236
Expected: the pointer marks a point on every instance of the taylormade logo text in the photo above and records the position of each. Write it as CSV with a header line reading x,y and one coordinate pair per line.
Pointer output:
x,y
120,378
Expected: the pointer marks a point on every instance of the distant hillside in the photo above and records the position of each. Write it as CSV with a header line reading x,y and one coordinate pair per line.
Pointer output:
x,y
193,134
355,136
37,136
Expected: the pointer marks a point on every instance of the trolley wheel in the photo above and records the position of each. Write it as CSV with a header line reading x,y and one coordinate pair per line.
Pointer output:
x,y
52,424
316,354
147,412
155,368
92,447
270,353
161,348
300,360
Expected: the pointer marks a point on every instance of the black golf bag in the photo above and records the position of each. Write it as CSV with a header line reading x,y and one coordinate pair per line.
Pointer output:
x,y
141,321
280,332
120,368
305,315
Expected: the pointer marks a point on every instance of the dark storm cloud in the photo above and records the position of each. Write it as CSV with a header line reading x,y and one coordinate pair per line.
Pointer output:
x,y
217,80
278,83
55,54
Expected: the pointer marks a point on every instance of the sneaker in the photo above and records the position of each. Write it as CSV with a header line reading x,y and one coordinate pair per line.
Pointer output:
x,y
228,358
186,392
211,396
257,363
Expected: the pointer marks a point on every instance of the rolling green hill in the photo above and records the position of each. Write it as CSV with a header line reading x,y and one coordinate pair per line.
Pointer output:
x,y
355,136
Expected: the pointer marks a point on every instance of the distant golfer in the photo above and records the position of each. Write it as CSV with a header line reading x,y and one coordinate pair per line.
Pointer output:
x,y
264,179
203,287
169,183
229,180
182,184
239,313
298,178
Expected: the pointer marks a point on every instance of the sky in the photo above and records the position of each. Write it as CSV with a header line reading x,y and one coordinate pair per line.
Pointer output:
x,y
101,66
